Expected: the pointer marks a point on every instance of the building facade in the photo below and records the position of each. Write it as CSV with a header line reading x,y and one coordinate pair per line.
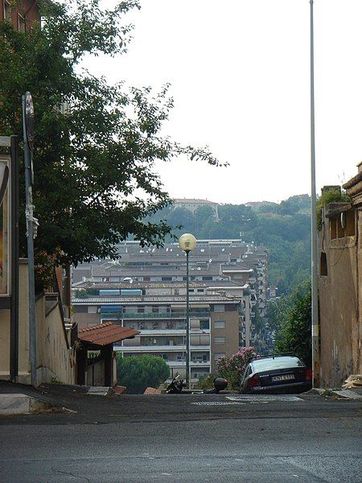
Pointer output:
x,y
146,290
22,14
340,287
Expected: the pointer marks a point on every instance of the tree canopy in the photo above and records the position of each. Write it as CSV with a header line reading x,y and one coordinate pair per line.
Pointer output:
x,y
139,372
290,318
95,144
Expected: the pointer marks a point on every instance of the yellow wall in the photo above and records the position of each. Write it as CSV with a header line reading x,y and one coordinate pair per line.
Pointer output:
x,y
55,361
340,297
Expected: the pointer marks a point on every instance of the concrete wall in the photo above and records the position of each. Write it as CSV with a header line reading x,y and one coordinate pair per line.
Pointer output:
x,y
55,361
340,303
86,320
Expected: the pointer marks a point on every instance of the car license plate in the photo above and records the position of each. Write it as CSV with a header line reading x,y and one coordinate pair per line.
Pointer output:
x,y
284,377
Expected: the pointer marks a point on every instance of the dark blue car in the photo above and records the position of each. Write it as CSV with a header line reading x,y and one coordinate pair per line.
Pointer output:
x,y
276,375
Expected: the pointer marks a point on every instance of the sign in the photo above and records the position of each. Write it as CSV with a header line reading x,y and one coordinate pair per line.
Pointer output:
x,y
5,207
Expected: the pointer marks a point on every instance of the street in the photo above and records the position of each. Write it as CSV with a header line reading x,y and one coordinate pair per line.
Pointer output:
x,y
187,438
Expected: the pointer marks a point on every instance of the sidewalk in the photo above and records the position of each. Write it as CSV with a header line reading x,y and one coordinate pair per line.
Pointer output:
x,y
21,399
354,393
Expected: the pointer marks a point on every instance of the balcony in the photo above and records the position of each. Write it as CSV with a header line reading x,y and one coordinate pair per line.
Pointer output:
x,y
171,332
159,348
153,315
182,364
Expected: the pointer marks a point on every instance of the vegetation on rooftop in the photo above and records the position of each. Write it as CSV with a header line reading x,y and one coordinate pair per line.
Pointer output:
x,y
330,196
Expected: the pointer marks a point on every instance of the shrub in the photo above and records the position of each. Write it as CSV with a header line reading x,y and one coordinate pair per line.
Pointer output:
x,y
231,368
139,372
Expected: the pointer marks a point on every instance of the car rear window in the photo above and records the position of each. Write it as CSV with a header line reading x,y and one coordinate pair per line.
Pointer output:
x,y
277,363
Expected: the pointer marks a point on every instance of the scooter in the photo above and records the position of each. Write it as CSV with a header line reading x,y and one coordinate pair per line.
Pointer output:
x,y
176,385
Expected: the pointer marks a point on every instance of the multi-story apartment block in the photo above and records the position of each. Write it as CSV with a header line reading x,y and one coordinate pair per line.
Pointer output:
x,y
214,325
146,290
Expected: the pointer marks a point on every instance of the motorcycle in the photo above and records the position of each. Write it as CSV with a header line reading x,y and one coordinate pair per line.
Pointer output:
x,y
176,385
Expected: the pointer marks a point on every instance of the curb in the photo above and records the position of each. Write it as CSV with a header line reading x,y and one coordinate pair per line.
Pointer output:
x,y
339,393
16,403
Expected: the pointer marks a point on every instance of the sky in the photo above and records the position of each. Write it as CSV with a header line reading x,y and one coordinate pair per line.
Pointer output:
x,y
239,74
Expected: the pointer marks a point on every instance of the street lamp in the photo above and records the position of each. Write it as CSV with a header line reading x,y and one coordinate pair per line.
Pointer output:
x,y
314,242
187,243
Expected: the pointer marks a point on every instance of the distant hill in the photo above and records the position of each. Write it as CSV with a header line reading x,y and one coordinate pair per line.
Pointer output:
x,y
283,228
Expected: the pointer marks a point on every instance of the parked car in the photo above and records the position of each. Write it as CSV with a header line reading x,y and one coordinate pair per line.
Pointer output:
x,y
275,375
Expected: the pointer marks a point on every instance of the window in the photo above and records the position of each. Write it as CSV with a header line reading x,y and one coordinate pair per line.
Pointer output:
x,y
7,11
21,23
219,340
204,324
350,223
324,266
219,308
333,227
219,324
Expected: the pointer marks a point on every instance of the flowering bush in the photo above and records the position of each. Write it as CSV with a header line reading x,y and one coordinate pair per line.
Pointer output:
x,y
231,368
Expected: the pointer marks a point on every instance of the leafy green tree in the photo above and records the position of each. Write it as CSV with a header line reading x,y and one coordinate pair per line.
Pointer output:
x,y
95,144
293,329
139,372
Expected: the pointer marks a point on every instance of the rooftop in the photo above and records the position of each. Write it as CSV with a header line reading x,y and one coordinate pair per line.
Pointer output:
x,y
105,334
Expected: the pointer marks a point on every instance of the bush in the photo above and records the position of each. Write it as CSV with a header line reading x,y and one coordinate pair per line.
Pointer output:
x,y
231,368
206,382
139,372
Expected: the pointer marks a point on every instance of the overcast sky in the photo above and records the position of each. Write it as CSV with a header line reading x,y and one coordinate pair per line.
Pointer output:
x,y
239,71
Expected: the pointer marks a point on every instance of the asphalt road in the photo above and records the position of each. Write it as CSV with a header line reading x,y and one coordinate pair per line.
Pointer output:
x,y
186,438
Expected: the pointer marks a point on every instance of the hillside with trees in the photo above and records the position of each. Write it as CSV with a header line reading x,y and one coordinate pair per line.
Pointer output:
x,y
283,228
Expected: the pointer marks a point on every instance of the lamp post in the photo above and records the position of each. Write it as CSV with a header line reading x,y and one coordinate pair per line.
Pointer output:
x,y
187,243
314,244
31,223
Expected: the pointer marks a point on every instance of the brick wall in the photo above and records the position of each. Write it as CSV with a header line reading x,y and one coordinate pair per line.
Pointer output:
x,y
22,16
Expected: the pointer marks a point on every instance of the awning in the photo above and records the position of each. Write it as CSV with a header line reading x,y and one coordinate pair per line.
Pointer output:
x,y
105,334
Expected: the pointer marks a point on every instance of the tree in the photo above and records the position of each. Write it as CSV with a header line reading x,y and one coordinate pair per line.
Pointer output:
x,y
139,372
95,144
294,326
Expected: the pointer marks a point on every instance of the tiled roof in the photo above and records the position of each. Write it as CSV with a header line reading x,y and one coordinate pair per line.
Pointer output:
x,y
104,334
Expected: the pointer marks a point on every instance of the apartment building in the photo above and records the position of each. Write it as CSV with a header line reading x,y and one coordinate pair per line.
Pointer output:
x,y
145,289
214,325
21,14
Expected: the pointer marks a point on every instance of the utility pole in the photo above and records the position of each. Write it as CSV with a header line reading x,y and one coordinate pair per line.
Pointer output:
x,y
314,245
28,133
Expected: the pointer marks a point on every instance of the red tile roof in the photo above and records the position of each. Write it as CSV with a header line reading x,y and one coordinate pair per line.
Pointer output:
x,y
104,334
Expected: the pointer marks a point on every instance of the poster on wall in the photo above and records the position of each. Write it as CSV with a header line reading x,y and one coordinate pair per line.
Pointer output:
x,y
4,226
